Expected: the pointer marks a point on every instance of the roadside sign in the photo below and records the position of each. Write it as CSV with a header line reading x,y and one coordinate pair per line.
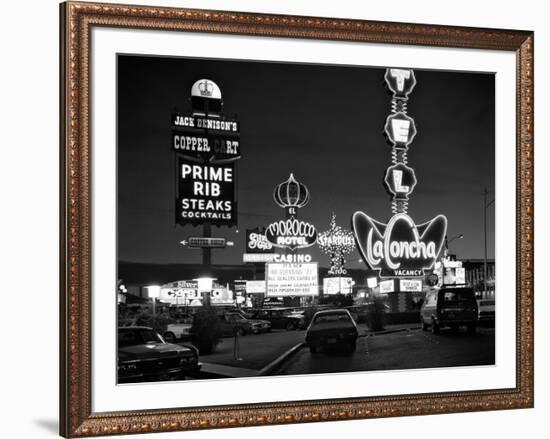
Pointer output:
x,y
200,242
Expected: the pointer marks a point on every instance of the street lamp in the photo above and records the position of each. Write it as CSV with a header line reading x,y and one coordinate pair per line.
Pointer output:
x,y
460,236
153,291
204,285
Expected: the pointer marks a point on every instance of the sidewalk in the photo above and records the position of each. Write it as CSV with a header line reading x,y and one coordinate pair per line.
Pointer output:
x,y
255,352
212,370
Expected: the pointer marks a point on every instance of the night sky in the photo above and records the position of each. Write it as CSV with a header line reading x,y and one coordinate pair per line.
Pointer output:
x,y
323,123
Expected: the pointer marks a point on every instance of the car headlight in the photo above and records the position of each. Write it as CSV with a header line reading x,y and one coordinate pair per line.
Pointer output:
x,y
127,367
184,360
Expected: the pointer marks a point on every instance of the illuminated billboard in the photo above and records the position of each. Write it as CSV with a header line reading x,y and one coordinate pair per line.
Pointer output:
x,y
255,287
206,193
337,285
387,286
258,258
291,279
410,285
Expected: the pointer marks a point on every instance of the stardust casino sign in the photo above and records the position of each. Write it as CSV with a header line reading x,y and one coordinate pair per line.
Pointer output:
x,y
400,247
291,233
206,193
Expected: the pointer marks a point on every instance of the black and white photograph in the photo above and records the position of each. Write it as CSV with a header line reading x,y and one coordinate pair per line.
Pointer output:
x,y
291,218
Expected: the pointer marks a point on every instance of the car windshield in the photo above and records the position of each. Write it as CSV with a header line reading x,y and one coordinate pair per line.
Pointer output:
x,y
456,296
137,336
331,317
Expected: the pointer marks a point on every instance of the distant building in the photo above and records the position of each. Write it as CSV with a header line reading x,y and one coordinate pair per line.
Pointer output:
x,y
475,277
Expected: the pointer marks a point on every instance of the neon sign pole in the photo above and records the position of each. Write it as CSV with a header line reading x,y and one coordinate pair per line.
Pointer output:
x,y
399,248
206,146
400,130
291,274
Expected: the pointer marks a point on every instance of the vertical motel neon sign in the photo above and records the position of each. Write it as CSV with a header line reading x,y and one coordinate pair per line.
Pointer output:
x,y
399,247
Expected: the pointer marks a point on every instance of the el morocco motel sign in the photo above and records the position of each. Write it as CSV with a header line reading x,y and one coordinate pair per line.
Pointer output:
x,y
400,247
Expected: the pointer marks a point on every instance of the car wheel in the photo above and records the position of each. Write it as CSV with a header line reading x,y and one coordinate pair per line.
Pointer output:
x,y
169,337
435,327
424,326
290,326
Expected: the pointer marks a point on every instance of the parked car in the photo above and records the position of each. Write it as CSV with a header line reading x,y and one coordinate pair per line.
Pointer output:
x,y
332,328
450,307
177,331
258,325
486,311
281,318
309,311
234,323
143,355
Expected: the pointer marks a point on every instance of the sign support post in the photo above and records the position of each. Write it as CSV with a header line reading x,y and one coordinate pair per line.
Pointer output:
x,y
206,145
207,251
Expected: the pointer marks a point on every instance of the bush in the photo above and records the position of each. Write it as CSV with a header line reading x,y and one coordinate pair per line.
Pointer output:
x,y
158,322
206,331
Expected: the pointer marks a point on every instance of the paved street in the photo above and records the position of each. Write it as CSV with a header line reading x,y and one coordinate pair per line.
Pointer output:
x,y
408,349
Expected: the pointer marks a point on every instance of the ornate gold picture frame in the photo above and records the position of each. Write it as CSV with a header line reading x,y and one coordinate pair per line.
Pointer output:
x,y
77,418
